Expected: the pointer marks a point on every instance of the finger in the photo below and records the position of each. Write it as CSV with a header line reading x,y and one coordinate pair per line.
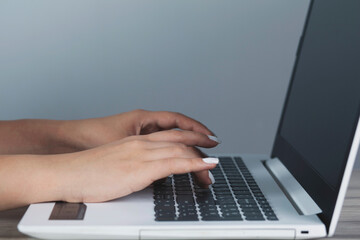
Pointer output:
x,y
188,138
177,151
148,143
165,167
202,178
160,181
170,120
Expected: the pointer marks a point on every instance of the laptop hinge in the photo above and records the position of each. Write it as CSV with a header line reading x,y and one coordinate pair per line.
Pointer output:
x,y
297,195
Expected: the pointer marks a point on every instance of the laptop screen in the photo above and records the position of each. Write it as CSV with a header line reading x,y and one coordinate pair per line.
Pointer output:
x,y
323,102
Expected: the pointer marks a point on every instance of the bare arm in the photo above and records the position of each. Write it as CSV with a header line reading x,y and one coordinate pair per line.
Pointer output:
x,y
26,179
37,136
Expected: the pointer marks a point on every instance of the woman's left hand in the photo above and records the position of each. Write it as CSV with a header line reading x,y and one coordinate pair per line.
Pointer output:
x,y
90,133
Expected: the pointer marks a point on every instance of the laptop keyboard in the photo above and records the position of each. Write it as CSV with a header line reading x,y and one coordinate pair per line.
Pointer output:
x,y
234,196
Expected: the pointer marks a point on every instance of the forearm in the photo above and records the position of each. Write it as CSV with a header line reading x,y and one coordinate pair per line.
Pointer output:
x,y
26,179
37,136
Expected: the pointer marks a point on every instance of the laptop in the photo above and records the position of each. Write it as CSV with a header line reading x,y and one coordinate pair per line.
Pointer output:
x,y
296,192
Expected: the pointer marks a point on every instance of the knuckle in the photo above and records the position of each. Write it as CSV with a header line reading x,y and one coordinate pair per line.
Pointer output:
x,y
191,151
179,149
136,143
189,165
139,111
194,161
176,133
177,114
174,115
170,165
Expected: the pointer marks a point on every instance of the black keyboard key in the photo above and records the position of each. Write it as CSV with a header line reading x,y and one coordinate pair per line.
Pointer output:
x,y
183,188
167,218
188,218
269,214
212,218
249,205
242,192
230,213
164,197
164,202
185,199
184,210
227,213
224,197
220,185
240,188
202,190
247,200
165,214
203,193
225,201
222,206
208,208
272,218
164,206
181,184
188,214
205,202
243,196
184,193
221,189
255,218
232,218
164,193
225,194
252,213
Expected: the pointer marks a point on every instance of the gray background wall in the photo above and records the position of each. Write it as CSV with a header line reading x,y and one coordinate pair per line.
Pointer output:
x,y
225,63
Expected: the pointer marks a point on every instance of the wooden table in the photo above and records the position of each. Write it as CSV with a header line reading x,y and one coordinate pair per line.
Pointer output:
x,y
348,227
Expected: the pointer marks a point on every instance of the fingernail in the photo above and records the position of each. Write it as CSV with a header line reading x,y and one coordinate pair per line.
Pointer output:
x,y
211,178
215,139
211,160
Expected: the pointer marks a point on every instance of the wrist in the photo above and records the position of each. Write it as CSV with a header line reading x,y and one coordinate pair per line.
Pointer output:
x,y
70,137
55,180
27,179
42,136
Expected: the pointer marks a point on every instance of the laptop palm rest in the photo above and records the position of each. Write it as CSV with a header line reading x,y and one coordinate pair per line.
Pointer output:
x,y
297,195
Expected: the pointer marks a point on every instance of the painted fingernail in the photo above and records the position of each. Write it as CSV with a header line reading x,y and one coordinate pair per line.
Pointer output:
x,y
211,178
211,160
215,139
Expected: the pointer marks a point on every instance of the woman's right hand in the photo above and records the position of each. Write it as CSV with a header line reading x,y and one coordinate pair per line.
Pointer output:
x,y
131,164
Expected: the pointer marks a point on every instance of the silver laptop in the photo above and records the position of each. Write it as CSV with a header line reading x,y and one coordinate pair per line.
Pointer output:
x,y
296,192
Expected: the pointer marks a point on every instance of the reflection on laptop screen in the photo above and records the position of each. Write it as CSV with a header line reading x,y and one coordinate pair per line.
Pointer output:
x,y
322,108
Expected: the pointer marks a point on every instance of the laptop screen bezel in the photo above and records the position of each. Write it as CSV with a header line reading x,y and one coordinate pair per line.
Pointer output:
x,y
284,151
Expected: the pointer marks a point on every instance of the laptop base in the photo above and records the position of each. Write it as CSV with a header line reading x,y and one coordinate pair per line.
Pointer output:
x,y
132,217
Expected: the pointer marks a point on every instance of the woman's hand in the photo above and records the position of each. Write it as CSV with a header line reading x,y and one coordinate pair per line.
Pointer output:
x,y
89,133
102,173
131,164
40,136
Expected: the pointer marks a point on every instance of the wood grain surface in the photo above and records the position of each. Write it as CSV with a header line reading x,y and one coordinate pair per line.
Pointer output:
x,y
348,226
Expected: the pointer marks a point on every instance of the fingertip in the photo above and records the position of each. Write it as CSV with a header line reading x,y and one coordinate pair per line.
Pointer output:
x,y
211,177
210,160
214,139
202,178
204,130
